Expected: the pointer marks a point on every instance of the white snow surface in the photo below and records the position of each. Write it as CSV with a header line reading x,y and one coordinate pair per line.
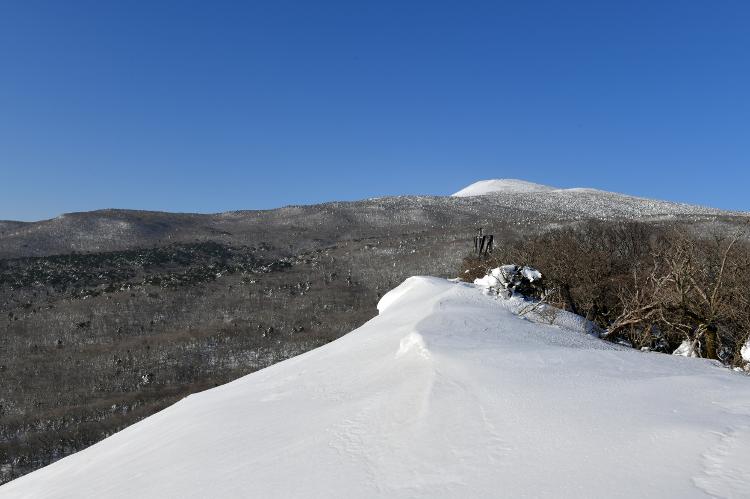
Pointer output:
x,y
446,393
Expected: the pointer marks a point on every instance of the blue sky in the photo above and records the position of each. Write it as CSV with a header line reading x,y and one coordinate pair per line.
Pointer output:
x,y
213,106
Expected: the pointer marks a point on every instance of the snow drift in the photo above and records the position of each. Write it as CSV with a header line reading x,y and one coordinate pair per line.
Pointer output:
x,y
447,393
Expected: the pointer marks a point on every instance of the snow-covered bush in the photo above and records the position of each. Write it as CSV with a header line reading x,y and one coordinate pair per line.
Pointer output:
x,y
509,279
654,287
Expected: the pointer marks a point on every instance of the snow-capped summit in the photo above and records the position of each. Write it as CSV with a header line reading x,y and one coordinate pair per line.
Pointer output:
x,y
447,393
571,203
501,185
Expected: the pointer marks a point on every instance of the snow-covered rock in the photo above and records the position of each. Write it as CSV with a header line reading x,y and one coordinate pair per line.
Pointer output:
x,y
447,393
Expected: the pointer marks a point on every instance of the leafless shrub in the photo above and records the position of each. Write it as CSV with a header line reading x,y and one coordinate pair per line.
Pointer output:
x,y
652,287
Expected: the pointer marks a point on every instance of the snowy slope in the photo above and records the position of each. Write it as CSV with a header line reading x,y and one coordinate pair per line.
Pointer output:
x,y
446,393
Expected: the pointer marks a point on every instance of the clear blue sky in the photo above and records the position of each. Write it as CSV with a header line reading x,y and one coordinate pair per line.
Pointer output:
x,y
213,106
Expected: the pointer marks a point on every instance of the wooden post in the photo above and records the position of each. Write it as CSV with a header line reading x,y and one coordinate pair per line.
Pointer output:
x,y
483,243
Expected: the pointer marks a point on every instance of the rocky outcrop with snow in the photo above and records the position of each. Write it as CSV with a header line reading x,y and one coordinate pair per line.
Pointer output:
x,y
448,392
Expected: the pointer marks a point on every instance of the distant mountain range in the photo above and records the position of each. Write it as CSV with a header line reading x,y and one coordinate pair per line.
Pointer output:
x,y
305,227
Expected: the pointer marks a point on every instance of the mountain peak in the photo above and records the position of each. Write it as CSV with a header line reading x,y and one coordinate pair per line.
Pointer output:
x,y
501,185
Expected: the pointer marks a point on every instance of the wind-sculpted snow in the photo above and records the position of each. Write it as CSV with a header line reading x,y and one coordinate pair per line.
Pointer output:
x,y
447,393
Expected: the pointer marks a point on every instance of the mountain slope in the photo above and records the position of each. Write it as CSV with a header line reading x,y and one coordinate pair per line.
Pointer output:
x,y
444,393
305,227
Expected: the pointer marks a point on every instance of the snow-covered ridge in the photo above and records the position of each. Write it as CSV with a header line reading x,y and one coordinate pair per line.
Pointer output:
x,y
447,393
